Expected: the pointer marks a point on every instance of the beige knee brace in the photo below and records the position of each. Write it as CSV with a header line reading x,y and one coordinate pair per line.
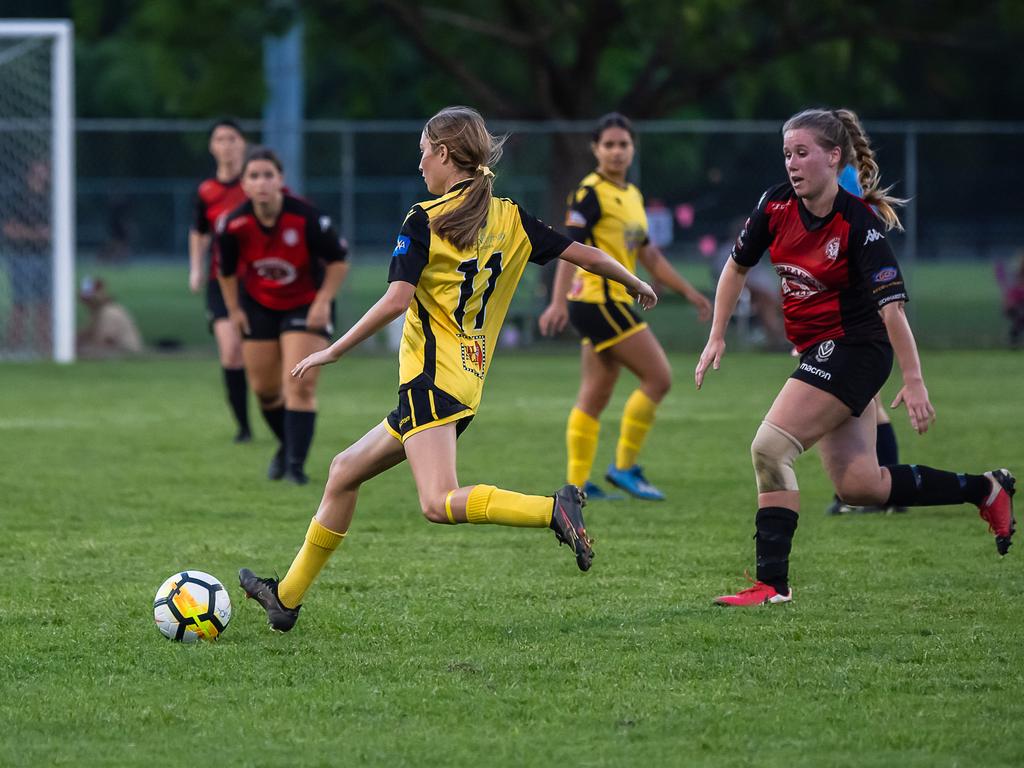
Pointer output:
x,y
774,450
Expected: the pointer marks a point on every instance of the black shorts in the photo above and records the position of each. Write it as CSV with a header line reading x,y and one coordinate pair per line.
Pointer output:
x,y
267,324
604,325
216,309
852,371
421,406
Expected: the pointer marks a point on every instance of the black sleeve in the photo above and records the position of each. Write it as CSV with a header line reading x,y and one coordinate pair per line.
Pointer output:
x,y
755,237
200,223
870,255
227,245
323,240
583,212
544,241
412,251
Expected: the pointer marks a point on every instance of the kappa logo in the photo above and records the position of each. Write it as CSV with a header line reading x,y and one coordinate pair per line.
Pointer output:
x,y
825,350
873,234
832,249
401,246
290,237
325,223
816,371
574,218
777,206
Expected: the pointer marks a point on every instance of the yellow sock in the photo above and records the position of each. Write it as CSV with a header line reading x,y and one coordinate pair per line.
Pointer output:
x,y
320,543
581,444
487,504
637,418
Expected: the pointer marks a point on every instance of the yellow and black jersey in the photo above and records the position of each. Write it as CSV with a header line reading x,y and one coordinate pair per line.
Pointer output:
x,y
451,328
612,218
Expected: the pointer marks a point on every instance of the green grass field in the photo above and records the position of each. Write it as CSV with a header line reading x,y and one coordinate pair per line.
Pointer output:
x,y
425,645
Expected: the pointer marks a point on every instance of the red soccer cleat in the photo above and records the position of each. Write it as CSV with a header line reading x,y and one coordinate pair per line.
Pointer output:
x,y
758,594
997,509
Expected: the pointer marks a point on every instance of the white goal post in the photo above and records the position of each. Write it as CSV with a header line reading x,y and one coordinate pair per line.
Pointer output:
x,y
37,103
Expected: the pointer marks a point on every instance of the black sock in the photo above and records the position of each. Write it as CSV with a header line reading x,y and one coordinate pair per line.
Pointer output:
x,y
885,446
774,537
238,396
275,420
917,486
298,425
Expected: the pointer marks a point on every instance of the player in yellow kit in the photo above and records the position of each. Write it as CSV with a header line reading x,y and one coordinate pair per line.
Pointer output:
x,y
454,269
607,211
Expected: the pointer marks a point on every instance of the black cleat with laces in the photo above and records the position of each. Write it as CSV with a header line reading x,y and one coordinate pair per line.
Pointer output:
x,y
567,523
278,465
264,591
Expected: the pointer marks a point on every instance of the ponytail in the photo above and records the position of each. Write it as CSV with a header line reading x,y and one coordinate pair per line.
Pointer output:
x,y
474,150
841,128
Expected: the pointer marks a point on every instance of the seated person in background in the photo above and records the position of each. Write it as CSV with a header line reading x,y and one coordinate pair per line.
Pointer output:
x,y
111,331
1011,282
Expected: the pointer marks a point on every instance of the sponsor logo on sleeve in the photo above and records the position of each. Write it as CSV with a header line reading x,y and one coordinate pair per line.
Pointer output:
x,y
574,218
873,234
889,299
401,246
884,275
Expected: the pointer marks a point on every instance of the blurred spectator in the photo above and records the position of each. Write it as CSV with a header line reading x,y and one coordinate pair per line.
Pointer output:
x,y
28,249
111,331
1011,282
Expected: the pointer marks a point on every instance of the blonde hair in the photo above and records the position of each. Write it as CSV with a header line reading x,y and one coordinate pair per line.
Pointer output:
x,y
474,150
841,128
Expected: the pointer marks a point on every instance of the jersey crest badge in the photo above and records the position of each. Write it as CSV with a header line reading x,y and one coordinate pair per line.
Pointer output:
x,y
474,354
832,249
290,237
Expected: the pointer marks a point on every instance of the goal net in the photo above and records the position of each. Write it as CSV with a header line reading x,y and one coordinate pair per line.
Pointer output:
x,y
36,191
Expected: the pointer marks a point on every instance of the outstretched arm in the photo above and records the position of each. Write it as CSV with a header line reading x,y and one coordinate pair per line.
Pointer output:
x,y
654,261
600,263
730,286
393,303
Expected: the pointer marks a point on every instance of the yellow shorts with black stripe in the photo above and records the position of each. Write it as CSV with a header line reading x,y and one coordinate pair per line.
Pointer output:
x,y
422,406
604,325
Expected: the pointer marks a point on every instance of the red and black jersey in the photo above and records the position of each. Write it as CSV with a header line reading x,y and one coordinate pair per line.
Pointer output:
x,y
214,199
837,271
283,264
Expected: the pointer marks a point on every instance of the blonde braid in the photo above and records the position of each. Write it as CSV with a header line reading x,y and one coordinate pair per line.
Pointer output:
x,y
859,152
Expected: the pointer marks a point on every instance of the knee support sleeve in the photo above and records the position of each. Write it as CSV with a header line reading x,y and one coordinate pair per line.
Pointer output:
x,y
773,452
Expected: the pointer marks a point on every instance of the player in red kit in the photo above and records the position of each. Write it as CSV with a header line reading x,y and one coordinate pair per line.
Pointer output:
x,y
281,264
843,298
217,197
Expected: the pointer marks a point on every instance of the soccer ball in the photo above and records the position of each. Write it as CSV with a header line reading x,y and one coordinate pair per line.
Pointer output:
x,y
190,606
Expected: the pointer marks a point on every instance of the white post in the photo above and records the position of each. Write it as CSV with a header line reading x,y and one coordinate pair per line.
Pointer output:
x,y
63,195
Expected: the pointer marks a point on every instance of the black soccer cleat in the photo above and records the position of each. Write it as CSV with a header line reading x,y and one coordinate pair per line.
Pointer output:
x,y
264,591
997,508
243,436
277,466
296,475
567,523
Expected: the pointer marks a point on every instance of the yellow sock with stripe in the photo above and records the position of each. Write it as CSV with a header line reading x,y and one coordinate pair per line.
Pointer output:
x,y
581,445
637,418
320,543
487,504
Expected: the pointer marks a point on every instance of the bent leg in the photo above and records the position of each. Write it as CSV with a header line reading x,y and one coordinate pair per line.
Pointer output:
x,y
431,456
644,357
375,452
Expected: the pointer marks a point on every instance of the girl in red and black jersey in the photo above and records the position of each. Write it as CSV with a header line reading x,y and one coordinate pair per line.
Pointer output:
x,y
292,263
216,197
843,298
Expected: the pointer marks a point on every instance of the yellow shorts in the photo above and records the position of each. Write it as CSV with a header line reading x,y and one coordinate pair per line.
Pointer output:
x,y
604,325
422,406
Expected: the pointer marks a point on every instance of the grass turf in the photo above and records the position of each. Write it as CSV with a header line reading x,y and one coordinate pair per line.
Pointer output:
x,y
429,645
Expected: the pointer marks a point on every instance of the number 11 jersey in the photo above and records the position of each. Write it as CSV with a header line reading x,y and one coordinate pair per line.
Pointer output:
x,y
462,296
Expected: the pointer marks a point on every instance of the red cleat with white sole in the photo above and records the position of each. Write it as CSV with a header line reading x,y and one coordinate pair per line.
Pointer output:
x,y
758,594
997,509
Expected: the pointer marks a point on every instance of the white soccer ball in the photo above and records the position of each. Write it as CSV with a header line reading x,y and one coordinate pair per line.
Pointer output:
x,y
190,606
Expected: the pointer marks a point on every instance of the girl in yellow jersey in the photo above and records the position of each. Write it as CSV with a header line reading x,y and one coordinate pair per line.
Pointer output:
x,y
453,272
606,211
